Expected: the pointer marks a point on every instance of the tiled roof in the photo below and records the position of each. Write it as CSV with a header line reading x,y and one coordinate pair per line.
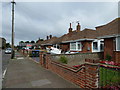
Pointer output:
x,y
108,29
111,28
48,42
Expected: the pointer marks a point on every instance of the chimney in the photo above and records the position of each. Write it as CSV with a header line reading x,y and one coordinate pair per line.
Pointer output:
x,y
47,37
78,28
50,36
70,29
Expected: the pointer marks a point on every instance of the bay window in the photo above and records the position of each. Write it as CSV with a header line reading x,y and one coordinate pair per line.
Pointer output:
x,y
118,43
101,45
75,46
95,45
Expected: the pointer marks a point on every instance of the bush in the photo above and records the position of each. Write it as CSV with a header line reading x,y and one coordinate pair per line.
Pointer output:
x,y
108,57
63,59
30,54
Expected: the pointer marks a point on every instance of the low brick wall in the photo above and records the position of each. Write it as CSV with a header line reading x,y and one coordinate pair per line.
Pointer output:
x,y
78,59
85,76
25,53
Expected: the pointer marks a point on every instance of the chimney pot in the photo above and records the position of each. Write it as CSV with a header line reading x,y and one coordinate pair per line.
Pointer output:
x,y
50,36
78,27
70,29
47,37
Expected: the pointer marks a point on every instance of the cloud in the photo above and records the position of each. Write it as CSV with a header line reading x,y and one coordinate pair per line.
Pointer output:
x,y
39,19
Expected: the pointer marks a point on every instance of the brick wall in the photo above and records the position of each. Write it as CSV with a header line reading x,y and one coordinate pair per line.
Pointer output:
x,y
117,56
86,76
65,47
86,45
108,47
77,59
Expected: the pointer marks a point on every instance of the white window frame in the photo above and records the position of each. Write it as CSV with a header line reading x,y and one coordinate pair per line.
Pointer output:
x,y
71,45
76,45
117,43
98,45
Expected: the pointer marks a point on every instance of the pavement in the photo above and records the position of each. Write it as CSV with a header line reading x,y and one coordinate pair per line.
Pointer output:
x,y
23,72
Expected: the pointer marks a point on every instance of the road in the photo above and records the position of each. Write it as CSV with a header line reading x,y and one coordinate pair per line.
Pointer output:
x,y
5,60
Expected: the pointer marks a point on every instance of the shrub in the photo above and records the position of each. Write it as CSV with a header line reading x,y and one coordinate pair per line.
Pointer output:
x,y
108,57
30,54
63,59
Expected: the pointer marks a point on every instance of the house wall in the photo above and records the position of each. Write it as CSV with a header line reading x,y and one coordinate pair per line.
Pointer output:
x,y
108,47
65,47
86,46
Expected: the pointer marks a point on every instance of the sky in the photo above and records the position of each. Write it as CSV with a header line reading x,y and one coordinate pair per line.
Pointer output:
x,y
35,20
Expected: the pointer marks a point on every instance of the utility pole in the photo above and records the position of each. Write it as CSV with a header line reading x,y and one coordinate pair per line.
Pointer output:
x,y
12,41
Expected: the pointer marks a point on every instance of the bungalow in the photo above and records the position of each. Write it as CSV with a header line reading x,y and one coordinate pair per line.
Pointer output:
x,y
48,43
81,41
111,35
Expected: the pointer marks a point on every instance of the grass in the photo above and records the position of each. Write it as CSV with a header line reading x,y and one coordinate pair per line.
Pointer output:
x,y
109,77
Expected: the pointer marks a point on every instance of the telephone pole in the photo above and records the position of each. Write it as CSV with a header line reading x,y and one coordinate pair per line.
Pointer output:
x,y
12,41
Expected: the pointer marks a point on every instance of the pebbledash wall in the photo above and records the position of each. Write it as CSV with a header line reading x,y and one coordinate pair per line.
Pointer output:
x,y
79,58
86,76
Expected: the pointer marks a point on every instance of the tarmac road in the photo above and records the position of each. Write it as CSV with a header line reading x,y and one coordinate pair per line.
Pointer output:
x,y
5,60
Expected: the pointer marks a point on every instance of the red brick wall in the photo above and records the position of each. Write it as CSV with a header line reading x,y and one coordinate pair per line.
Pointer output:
x,y
86,44
117,56
86,76
65,46
108,47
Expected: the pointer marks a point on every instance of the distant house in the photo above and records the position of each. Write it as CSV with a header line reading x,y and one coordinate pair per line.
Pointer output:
x,y
2,43
26,44
48,43
111,35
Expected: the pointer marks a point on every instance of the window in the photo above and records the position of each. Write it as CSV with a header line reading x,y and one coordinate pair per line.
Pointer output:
x,y
79,46
118,43
101,45
73,46
95,45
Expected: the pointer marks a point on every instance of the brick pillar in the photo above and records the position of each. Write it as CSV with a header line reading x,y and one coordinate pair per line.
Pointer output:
x,y
48,60
41,58
91,73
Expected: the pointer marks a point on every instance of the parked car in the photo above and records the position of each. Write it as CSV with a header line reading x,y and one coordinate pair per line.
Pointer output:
x,y
8,51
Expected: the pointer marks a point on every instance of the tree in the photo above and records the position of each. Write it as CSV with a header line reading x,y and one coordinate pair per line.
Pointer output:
x,y
21,41
32,41
27,42
8,45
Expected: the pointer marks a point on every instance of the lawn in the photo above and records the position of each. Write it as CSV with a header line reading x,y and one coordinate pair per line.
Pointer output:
x,y
109,76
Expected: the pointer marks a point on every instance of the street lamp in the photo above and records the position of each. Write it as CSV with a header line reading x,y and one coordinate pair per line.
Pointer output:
x,y
12,41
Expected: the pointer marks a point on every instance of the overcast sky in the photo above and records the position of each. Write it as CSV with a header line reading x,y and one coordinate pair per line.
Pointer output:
x,y
39,19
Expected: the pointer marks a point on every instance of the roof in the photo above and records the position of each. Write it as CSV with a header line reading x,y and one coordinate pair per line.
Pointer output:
x,y
110,29
85,34
48,42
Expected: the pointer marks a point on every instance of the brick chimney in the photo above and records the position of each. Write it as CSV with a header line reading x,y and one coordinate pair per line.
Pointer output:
x,y
50,36
70,29
47,37
78,28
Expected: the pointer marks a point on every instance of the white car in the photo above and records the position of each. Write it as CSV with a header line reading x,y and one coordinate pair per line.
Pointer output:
x,y
8,51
